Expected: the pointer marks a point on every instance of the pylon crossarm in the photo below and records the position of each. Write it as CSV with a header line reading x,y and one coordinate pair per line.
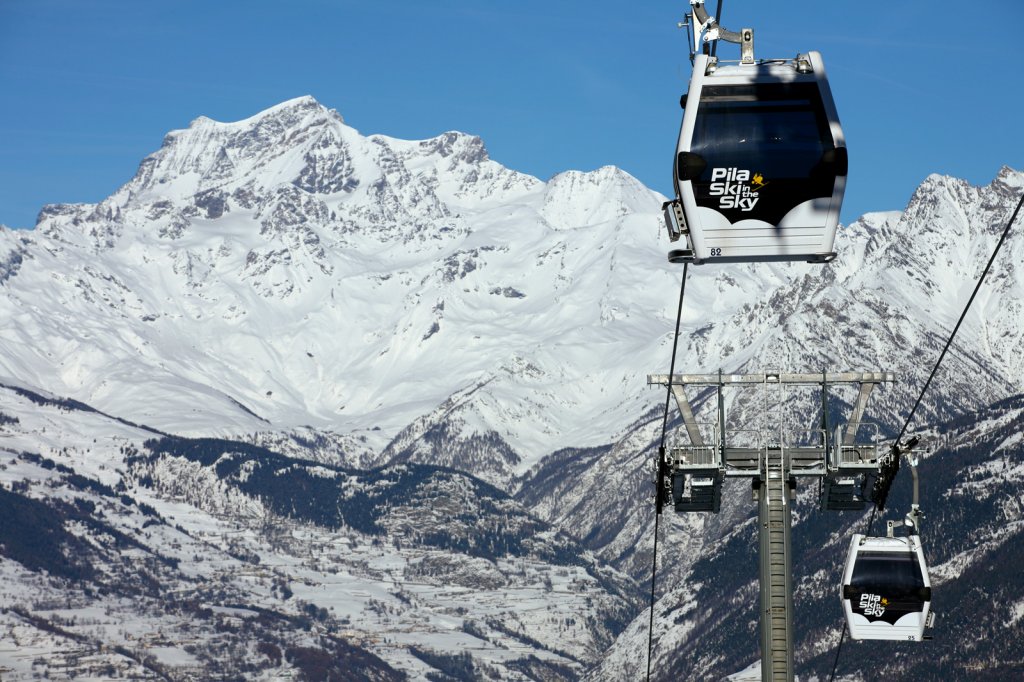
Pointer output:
x,y
810,379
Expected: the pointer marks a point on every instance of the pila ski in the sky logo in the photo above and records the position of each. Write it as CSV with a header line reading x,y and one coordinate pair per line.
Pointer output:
x,y
736,187
873,605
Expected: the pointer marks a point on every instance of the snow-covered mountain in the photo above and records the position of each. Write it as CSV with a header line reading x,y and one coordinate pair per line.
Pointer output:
x,y
326,303
887,303
285,271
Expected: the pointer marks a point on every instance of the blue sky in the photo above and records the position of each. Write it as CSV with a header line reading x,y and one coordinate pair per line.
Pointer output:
x,y
91,87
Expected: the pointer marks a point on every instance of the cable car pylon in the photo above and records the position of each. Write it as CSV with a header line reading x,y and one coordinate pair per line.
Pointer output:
x,y
759,175
699,456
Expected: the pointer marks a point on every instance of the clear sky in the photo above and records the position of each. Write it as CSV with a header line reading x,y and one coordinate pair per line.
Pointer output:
x,y
90,87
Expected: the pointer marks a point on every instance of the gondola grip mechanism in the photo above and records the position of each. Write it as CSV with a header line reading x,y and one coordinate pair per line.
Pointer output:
x,y
704,23
913,518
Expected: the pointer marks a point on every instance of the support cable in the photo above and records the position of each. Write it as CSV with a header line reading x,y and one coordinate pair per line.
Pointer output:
x,y
672,365
889,469
654,577
718,20
659,494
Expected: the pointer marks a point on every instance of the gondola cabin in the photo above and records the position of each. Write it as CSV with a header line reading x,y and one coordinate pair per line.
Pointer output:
x,y
760,167
886,591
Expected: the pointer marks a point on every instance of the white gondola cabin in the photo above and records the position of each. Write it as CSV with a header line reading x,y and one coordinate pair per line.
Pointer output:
x,y
886,591
761,163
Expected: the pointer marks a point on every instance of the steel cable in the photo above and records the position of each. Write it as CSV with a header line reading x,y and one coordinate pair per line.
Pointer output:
x,y
661,465
718,22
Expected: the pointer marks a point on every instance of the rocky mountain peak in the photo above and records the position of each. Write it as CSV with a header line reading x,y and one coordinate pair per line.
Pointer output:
x,y
1008,183
216,171
290,114
459,147
211,154
1010,176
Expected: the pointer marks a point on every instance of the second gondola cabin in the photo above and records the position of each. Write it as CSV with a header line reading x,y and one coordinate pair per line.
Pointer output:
x,y
887,593
761,163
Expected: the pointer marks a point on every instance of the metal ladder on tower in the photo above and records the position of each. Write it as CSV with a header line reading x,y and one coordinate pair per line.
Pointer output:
x,y
774,514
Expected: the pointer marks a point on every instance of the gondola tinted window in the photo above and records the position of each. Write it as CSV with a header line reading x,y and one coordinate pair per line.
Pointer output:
x,y
897,575
777,134
778,128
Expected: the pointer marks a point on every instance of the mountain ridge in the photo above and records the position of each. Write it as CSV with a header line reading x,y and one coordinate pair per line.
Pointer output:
x,y
408,247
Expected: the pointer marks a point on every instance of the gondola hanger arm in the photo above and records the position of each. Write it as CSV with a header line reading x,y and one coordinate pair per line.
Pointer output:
x,y
913,518
906,450
705,25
